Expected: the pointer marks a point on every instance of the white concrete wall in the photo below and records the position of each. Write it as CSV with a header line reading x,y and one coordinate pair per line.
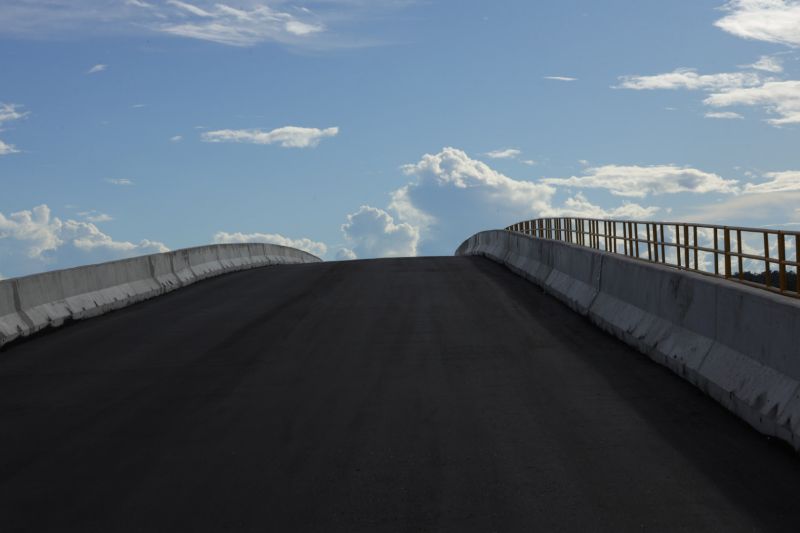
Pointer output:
x,y
32,303
736,343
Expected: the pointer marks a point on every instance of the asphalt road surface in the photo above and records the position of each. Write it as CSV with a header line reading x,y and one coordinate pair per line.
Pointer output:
x,y
432,394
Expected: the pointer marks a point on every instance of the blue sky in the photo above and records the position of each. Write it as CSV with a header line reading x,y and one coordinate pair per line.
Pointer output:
x,y
356,128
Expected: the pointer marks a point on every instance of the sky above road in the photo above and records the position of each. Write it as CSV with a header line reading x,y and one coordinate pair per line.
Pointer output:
x,y
370,128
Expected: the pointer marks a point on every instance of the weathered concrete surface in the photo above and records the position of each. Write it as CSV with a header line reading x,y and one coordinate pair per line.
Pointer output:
x,y
32,303
738,344
431,394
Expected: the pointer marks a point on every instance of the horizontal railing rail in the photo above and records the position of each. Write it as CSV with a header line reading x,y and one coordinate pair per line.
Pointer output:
x,y
760,257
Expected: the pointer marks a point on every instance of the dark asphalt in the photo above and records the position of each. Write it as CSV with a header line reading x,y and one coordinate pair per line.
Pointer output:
x,y
435,394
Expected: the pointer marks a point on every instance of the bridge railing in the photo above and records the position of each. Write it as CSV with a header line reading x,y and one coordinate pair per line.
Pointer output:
x,y
761,257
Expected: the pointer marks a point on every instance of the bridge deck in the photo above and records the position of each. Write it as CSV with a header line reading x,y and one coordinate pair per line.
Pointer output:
x,y
420,394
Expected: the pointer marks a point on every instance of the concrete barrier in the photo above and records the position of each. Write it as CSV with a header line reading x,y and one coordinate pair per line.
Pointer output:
x,y
32,303
736,343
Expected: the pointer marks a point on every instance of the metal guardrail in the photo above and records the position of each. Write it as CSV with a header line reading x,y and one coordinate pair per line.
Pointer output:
x,y
723,251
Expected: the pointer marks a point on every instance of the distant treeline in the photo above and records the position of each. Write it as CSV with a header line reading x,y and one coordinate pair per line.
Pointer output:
x,y
774,277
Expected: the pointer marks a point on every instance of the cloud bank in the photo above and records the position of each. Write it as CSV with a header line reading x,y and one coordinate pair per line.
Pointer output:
x,y
313,247
33,240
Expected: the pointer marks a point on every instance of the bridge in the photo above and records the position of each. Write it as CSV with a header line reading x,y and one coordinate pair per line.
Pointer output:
x,y
473,392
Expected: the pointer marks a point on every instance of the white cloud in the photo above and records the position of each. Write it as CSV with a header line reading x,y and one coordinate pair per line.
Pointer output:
x,y
194,10
97,68
176,138
781,98
138,106
639,181
227,22
6,149
119,181
312,247
238,26
506,153
451,196
33,240
95,216
372,232
529,162
9,113
579,206
775,21
768,64
287,136
685,78
560,78
764,208
787,181
723,115
345,254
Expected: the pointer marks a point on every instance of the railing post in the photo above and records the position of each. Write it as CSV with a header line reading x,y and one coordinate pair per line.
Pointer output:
x,y
739,251
782,260
767,267
727,238
686,244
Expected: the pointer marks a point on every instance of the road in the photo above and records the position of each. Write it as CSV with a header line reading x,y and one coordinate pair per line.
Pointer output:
x,y
430,394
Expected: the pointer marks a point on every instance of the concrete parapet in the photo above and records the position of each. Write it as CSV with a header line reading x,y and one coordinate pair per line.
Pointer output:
x,y
31,303
734,342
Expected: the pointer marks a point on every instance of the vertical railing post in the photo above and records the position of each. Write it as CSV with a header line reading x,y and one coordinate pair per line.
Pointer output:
x,y
727,239
767,266
739,252
686,244
782,261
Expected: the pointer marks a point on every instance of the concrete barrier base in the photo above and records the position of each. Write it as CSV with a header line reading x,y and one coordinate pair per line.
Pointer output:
x,y
734,342
32,303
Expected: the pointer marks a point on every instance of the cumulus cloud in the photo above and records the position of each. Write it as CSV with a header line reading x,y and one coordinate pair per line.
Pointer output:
x,y
781,98
373,232
312,247
685,78
33,240
97,68
774,21
787,181
560,78
506,153
450,196
639,181
287,136
345,254
176,138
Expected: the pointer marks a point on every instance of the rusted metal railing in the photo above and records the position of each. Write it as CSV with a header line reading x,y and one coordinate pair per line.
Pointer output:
x,y
761,257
